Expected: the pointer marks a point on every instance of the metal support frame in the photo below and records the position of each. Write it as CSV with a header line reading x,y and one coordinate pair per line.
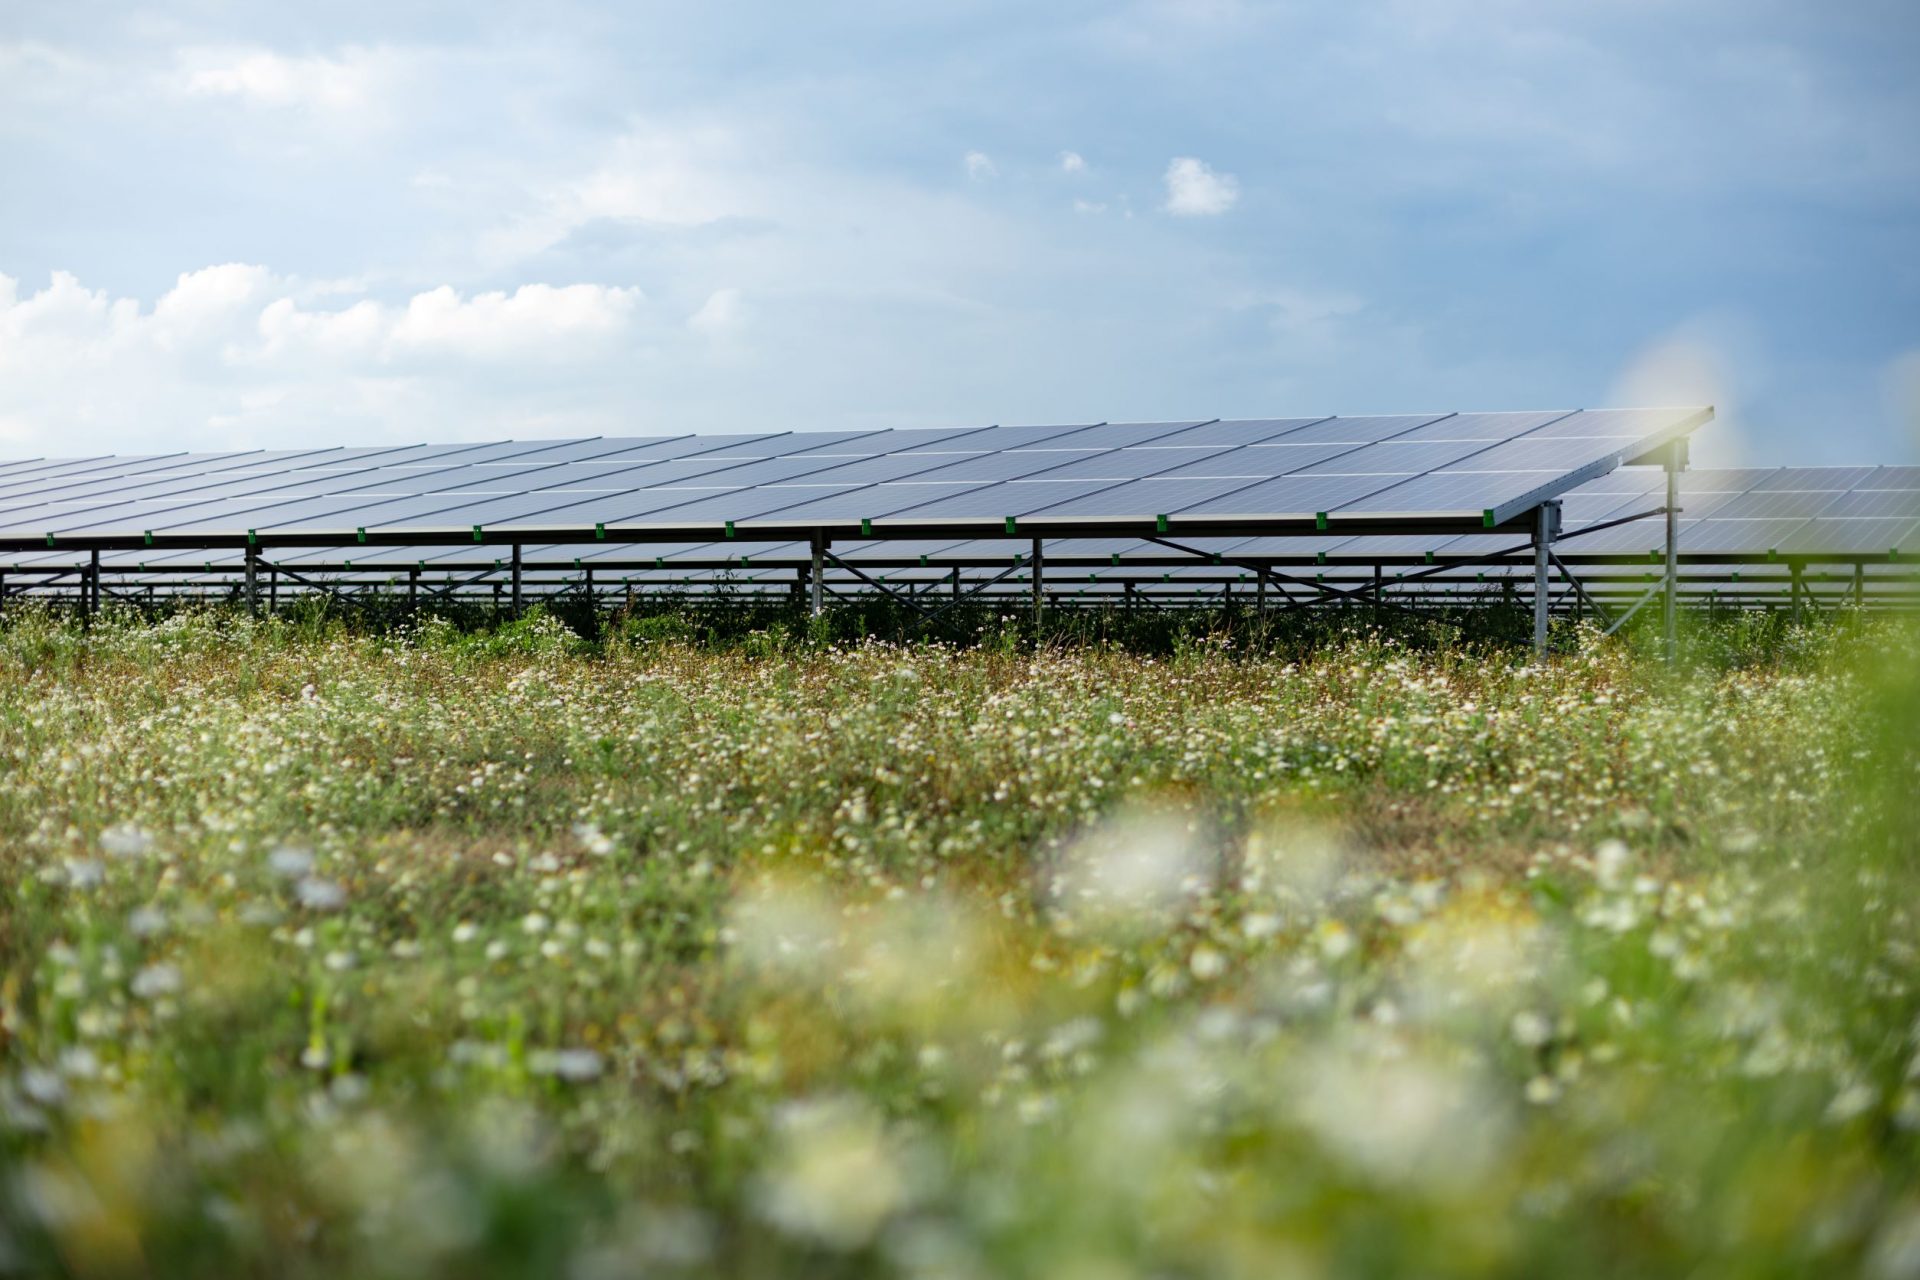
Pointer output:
x,y
413,592
253,582
1543,529
1039,587
815,582
1676,463
517,597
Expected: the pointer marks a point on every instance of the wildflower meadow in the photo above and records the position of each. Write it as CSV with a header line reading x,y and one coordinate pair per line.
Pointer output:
x,y
432,951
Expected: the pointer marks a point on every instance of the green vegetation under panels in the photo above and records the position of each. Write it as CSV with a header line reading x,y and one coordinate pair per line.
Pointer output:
x,y
502,953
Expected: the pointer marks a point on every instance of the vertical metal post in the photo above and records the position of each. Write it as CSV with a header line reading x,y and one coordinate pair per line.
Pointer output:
x,y
1379,585
1676,460
413,592
1542,533
516,580
1859,584
90,588
1039,583
818,603
1798,587
273,590
253,582
954,574
1128,606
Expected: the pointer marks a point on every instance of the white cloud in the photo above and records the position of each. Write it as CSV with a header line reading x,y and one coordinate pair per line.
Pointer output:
x,y
1089,206
349,82
1195,190
1072,162
980,166
233,354
719,314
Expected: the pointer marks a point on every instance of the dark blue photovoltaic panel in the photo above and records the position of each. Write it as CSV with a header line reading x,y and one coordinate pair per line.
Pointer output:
x,y
1394,458
1439,493
1131,464
1486,428
1014,465
1360,430
1290,496
1843,537
1145,499
1408,464
1262,461
1824,478
1242,431
1761,503
996,502
1877,502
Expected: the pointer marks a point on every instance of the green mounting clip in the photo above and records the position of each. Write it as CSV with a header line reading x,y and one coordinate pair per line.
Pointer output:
x,y
361,534
1319,519
576,562
866,528
49,539
347,563
1429,557
1486,518
729,528
659,562
746,562
252,539
477,535
1159,526
1319,557
420,565
1010,526
1772,555
600,532
1116,559
1166,577
1217,560
923,562
1893,556
149,537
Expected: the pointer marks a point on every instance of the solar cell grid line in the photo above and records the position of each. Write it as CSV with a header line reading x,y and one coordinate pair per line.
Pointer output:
x,y
1860,503
965,475
361,491
1826,535
592,514
1658,427
376,517
1160,497
103,478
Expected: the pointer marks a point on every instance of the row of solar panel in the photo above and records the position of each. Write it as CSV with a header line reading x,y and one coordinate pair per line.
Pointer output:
x,y
1788,511
1392,465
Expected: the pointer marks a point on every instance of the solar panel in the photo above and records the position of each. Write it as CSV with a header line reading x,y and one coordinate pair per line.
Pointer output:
x,y
1191,470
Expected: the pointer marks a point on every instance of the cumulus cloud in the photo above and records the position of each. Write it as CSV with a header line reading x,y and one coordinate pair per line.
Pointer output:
x,y
1195,190
980,166
235,354
350,81
1072,162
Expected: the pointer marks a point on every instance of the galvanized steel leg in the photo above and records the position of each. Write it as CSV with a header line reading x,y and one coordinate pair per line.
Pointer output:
x,y
818,588
1542,531
1039,583
1676,458
516,580
253,582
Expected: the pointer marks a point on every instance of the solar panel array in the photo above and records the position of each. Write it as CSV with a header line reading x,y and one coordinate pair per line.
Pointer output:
x,y
1367,470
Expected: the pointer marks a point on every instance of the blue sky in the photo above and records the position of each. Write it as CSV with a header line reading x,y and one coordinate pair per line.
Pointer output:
x,y
225,225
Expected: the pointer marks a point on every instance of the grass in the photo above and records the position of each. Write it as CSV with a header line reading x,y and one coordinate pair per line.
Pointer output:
x,y
497,952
